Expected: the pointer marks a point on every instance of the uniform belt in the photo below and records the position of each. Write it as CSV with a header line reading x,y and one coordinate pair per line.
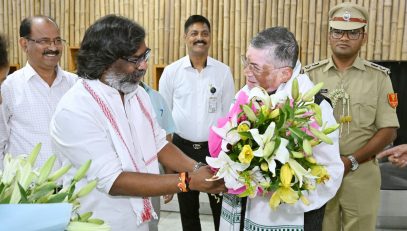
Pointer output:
x,y
195,145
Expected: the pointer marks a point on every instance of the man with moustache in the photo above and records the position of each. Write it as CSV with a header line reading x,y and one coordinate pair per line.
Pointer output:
x,y
30,95
108,118
198,90
365,105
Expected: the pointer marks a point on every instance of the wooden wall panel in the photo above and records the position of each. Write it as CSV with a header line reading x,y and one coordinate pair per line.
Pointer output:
x,y
233,24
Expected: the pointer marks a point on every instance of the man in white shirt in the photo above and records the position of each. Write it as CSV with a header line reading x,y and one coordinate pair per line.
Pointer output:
x,y
199,90
271,63
108,118
30,95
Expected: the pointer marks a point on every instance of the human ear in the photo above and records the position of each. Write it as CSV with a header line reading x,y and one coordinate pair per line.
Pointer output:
x,y
286,73
23,43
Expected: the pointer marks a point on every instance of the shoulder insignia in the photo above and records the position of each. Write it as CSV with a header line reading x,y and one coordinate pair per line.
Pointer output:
x,y
377,67
315,65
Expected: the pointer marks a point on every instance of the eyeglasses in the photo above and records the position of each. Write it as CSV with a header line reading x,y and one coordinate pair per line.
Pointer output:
x,y
139,59
352,34
256,70
48,42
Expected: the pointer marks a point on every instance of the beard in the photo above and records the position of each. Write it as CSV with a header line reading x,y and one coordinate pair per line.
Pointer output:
x,y
125,83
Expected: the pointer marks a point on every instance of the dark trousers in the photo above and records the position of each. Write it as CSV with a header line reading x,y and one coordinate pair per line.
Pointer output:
x,y
313,219
189,201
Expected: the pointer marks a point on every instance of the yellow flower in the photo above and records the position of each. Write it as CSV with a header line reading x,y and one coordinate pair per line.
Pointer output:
x,y
275,200
243,127
320,172
283,194
288,195
246,155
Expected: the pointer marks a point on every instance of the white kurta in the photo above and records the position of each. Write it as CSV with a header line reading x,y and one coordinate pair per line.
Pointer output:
x,y
259,216
80,131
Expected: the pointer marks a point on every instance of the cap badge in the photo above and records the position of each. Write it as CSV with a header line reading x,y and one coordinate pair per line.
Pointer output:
x,y
346,16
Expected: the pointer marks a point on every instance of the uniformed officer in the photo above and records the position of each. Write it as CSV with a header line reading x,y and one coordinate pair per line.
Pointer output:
x,y
365,105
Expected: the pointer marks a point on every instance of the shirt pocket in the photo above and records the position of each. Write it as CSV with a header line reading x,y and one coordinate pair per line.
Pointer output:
x,y
364,110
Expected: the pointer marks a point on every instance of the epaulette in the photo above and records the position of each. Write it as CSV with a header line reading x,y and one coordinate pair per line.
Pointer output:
x,y
377,67
315,65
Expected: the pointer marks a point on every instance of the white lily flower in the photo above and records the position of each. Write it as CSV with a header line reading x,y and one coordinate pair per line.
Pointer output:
x,y
258,94
228,135
279,97
263,140
228,169
281,154
256,180
299,171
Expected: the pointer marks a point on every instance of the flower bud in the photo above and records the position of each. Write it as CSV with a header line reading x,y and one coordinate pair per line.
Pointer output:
x,y
320,135
87,189
249,113
286,175
309,95
82,171
330,129
274,113
264,166
307,147
294,89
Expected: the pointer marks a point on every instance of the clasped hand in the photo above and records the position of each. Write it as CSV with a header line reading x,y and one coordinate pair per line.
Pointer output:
x,y
199,181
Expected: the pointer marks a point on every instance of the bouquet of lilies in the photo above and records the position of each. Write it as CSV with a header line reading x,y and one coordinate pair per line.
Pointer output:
x,y
21,183
264,145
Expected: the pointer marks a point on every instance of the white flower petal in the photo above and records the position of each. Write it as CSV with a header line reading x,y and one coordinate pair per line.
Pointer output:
x,y
299,171
272,166
257,137
282,153
278,97
269,132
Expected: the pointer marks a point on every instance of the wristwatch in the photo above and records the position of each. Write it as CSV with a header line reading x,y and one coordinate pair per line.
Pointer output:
x,y
355,164
198,165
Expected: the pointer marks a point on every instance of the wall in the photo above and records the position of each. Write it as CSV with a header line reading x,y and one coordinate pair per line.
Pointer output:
x,y
233,24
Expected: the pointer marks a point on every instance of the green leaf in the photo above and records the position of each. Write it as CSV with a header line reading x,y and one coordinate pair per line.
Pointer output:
x,y
43,190
58,198
297,132
71,191
2,188
6,200
23,194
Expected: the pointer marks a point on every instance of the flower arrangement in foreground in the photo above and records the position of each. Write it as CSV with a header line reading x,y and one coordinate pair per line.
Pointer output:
x,y
264,145
20,183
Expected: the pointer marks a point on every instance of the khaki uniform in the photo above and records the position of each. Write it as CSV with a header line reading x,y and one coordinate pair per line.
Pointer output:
x,y
365,111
